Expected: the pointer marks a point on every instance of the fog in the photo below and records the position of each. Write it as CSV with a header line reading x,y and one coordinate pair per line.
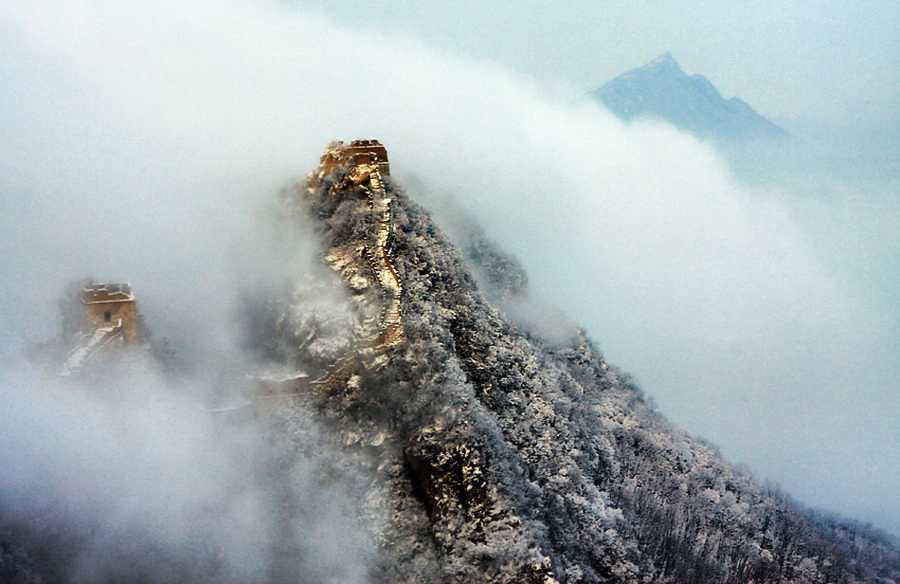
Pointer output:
x,y
147,143
128,478
819,62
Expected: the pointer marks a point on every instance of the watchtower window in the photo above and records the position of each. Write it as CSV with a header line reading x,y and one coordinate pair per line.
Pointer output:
x,y
107,316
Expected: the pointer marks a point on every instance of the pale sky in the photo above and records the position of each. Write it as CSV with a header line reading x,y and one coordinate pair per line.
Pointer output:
x,y
813,62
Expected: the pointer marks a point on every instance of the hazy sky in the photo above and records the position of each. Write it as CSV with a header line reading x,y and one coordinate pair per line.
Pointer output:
x,y
143,140
798,62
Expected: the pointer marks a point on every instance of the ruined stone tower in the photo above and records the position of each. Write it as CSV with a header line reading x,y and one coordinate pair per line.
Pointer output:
x,y
109,305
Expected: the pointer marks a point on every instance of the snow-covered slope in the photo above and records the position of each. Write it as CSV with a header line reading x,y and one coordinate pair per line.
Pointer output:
x,y
498,455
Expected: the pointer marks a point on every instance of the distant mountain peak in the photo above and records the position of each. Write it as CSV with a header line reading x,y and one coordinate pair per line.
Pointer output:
x,y
662,89
664,61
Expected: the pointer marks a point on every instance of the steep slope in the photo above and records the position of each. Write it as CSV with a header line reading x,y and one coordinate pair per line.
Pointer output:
x,y
501,457
661,89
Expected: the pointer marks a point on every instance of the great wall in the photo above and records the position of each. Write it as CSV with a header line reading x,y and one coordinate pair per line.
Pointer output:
x,y
358,170
108,320
355,172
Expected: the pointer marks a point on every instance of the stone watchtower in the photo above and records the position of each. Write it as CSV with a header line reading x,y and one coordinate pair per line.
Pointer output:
x,y
370,152
109,305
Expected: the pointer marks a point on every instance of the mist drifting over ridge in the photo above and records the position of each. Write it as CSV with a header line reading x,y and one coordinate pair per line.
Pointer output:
x,y
145,143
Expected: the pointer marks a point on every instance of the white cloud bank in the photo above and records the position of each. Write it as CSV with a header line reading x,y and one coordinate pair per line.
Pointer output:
x,y
142,139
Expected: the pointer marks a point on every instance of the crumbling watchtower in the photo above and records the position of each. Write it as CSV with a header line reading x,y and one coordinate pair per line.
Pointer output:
x,y
109,305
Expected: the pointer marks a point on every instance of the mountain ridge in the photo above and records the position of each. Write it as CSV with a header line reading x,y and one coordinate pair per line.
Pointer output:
x,y
662,89
538,461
